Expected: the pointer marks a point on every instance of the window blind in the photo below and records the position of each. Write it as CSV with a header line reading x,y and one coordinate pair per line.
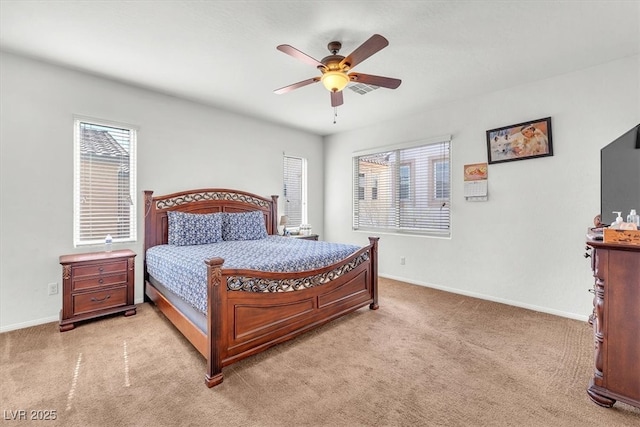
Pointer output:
x,y
403,190
104,183
294,191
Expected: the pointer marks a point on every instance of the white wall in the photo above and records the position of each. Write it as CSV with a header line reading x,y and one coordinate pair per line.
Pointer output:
x,y
524,246
181,145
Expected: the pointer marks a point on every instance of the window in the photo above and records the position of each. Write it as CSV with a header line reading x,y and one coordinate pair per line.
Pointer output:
x,y
410,192
405,181
104,182
295,190
374,189
361,183
441,179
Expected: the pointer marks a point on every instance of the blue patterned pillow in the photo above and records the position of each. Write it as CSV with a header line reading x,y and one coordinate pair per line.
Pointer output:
x,y
194,229
244,226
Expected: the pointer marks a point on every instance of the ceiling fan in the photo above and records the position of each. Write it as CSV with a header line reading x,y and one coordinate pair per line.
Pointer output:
x,y
334,68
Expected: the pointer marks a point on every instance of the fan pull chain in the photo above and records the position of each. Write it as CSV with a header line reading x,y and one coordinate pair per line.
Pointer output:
x,y
335,114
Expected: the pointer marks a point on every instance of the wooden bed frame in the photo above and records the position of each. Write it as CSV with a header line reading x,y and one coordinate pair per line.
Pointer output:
x,y
240,323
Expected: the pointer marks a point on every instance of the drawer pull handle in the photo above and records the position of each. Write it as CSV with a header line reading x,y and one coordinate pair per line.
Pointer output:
x,y
94,299
101,269
101,281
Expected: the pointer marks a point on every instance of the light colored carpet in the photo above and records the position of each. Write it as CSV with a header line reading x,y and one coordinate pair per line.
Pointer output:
x,y
425,358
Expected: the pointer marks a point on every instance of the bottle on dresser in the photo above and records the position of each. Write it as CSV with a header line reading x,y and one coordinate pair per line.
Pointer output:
x,y
634,218
618,222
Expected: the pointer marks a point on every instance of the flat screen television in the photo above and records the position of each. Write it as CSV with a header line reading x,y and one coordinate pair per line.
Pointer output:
x,y
620,176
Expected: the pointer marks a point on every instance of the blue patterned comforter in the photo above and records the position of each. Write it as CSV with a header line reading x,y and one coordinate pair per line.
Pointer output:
x,y
183,271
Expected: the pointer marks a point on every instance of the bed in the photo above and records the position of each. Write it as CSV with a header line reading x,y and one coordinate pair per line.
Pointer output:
x,y
250,310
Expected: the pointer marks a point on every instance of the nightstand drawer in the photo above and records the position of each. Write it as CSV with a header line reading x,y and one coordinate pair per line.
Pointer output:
x,y
80,272
99,300
100,281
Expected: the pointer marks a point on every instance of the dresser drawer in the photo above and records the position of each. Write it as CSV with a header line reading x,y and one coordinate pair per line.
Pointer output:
x,y
99,300
100,281
80,272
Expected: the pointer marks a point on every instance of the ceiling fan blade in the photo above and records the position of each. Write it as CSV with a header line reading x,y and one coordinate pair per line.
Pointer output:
x,y
380,81
375,43
296,85
292,51
336,99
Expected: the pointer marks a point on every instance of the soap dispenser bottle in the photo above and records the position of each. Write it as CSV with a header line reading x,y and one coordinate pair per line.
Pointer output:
x,y
618,221
634,218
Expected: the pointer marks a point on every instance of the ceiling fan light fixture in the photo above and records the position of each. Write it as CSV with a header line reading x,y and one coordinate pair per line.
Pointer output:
x,y
335,81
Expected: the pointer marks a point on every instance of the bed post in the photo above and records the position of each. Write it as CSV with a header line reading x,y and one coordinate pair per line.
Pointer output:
x,y
214,322
148,231
274,214
373,241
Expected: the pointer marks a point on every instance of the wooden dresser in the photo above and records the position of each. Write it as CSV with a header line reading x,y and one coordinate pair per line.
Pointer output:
x,y
96,284
616,324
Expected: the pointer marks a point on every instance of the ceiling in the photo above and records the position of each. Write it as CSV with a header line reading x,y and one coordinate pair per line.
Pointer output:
x,y
223,53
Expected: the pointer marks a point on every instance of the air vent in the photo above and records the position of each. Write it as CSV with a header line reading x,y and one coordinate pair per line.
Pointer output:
x,y
362,88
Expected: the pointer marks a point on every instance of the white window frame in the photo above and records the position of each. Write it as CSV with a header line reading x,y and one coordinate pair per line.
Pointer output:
x,y
399,211
303,190
130,219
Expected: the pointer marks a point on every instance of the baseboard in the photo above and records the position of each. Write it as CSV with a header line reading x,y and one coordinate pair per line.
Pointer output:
x,y
35,322
42,321
490,298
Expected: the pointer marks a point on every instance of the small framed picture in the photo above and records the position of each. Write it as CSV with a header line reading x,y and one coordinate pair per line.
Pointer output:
x,y
521,141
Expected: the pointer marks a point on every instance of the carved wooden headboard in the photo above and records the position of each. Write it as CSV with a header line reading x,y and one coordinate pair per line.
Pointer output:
x,y
209,200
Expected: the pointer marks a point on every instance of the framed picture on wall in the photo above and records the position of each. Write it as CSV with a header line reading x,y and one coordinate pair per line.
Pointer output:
x,y
526,140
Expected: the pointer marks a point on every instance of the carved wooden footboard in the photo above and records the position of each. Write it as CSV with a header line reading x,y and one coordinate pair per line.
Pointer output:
x,y
249,311
245,322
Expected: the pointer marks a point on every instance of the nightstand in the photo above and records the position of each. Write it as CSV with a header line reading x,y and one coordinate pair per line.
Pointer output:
x,y
307,237
96,284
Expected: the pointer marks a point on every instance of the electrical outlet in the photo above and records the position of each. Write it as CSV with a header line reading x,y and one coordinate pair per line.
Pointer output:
x,y
53,288
402,260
